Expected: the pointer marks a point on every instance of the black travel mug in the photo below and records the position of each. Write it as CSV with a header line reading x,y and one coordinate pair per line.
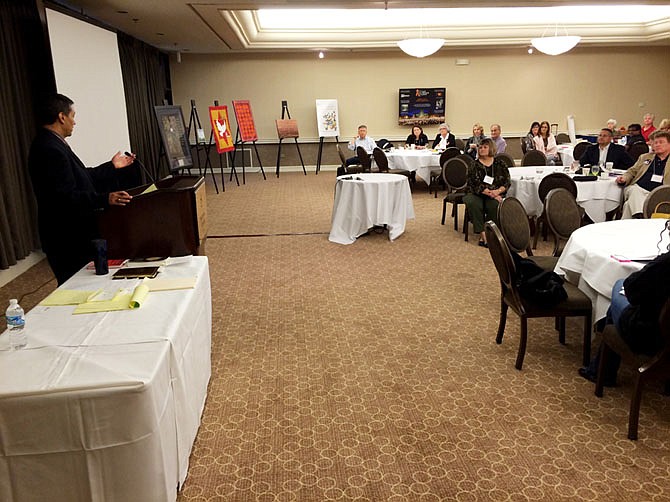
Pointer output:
x,y
100,256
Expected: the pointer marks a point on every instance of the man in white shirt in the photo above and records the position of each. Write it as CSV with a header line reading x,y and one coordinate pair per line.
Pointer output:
x,y
361,140
501,144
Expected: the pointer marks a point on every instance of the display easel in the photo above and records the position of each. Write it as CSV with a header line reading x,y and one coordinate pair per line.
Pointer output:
x,y
320,153
240,143
285,113
194,120
209,148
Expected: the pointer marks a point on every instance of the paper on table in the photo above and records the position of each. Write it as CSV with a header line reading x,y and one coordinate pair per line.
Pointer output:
x,y
68,297
161,284
121,301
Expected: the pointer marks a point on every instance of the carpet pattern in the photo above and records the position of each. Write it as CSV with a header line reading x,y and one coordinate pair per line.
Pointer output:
x,y
370,371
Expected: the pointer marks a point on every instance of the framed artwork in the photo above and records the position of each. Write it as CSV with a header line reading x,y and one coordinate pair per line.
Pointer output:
x,y
327,118
173,134
245,120
287,128
218,117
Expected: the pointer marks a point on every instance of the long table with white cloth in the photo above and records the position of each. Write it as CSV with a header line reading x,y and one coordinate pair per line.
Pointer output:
x,y
596,197
106,406
598,255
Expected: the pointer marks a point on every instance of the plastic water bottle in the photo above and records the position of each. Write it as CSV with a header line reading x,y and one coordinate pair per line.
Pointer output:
x,y
16,323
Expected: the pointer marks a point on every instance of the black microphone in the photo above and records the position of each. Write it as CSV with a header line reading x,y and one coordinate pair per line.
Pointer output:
x,y
146,171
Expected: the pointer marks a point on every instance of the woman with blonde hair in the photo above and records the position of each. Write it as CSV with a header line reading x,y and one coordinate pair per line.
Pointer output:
x,y
473,142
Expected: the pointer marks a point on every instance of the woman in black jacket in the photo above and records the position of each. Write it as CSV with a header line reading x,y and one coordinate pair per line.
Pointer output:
x,y
417,138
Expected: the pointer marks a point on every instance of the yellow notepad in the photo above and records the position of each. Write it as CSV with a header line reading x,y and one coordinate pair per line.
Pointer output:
x,y
163,284
123,300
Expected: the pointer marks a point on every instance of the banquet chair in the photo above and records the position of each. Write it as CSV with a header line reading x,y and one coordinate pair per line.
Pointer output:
x,y
646,366
364,159
577,304
637,149
460,144
436,173
455,177
524,147
515,228
562,138
579,149
534,158
507,159
548,183
382,162
353,169
657,196
563,217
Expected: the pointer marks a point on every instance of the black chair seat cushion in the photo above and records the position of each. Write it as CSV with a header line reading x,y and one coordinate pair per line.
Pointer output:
x,y
575,302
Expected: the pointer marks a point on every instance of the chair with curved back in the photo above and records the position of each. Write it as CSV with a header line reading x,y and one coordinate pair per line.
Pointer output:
x,y
646,366
466,158
562,138
344,168
579,149
563,216
524,146
382,162
548,183
534,158
515,228
637,149
507,159
657,196
436,173
577,303
364,159
460,144
455,177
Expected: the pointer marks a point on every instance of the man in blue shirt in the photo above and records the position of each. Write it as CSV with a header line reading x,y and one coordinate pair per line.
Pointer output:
x,y
361,140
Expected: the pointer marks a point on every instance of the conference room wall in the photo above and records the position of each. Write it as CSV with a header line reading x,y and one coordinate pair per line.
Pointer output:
x,y
505,86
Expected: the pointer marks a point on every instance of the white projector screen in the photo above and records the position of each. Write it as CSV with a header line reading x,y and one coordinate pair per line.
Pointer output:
x,y
88,71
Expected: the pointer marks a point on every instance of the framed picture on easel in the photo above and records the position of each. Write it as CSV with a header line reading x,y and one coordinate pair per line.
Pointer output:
x,y
173,134
218,117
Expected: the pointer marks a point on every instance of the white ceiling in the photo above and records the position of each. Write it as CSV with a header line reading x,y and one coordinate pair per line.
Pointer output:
x,y
224,26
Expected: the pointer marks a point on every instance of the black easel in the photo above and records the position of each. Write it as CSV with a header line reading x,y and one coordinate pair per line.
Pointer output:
x,y
318,155
208,149
240,143
284,111
194,120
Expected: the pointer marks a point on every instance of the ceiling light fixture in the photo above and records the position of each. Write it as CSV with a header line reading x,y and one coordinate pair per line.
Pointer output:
x,y
321,55
421,47
556,44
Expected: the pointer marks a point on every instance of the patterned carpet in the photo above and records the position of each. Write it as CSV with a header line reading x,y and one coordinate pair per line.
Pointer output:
x,y
370,371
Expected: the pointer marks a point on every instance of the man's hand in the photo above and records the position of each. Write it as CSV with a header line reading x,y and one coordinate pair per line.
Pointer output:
x,y
120,160
119,198
620,180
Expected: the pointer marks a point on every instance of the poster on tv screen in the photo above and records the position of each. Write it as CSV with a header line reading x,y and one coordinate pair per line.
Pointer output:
x,y
422,106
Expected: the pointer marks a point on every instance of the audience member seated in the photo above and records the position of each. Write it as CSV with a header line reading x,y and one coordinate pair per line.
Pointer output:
x,y
488,181
500,142
529,139
664,125
444,138
472,144
648,125
417,138
646,174
546,143
606,151
611,125
361,140
636,306
634,136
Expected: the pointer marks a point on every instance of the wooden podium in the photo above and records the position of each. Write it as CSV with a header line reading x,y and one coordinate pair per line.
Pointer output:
x,y
170,221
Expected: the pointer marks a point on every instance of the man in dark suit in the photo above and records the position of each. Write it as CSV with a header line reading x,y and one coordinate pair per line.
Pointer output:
x,y
606,151
69,194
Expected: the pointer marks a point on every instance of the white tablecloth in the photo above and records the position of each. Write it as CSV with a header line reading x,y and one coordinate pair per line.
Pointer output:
x,y
587,259
367,200
106,406
596,197
565,150
421,161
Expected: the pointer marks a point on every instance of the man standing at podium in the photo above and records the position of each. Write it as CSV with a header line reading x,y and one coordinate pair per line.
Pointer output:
x,y
69,194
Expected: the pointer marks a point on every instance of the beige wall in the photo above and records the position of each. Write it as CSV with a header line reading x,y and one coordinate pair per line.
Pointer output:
x,y
505,86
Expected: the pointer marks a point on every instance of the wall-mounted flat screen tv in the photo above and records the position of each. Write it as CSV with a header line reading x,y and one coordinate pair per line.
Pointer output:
x,y
422,106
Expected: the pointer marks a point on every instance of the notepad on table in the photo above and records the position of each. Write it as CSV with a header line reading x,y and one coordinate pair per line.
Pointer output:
x,y
67,297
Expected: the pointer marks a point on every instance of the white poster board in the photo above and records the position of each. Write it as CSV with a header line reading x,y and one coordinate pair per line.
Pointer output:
x,y
327,117
571,129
